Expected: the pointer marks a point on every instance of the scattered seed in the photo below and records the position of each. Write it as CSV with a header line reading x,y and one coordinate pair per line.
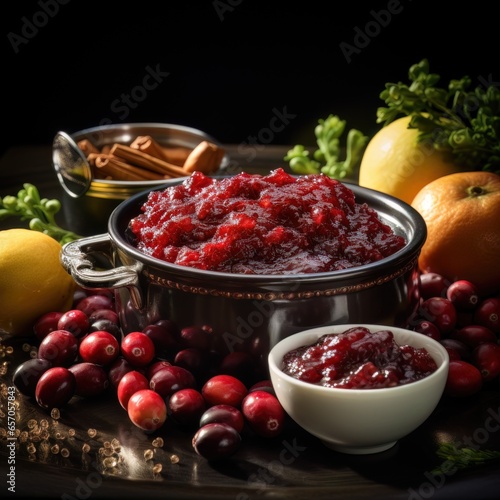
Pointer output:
x,y
110,462
157,442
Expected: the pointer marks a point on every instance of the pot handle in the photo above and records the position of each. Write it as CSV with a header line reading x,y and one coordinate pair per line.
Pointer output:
x,y
82,259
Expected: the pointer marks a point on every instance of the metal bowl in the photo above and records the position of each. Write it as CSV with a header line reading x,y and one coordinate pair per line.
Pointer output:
x,y
88,202
251,313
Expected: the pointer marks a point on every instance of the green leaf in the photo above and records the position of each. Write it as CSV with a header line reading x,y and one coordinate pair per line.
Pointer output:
x,y
463,458
326,158
40,212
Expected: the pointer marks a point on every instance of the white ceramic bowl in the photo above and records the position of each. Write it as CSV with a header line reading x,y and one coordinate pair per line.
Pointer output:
x,y
359,421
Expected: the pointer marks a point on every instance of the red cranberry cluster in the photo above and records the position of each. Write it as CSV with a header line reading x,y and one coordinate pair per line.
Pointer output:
x,y
158,373
467,325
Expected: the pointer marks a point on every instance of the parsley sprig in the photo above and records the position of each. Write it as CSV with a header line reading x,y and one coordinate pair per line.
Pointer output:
x,y
464,457
326,159
458,120
40,212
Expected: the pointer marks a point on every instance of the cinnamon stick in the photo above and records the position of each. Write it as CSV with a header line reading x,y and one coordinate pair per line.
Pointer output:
x,y
114,168
206,158
151,163
87,147
176,154
146,144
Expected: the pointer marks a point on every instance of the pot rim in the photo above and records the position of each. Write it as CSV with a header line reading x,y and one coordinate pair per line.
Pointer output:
x,y
410,224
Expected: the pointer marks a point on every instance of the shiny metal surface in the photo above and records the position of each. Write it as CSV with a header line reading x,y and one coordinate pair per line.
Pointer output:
x,y
89,202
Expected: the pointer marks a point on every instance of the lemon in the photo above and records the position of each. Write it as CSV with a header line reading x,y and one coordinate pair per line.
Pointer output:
x,y
395,164
32,279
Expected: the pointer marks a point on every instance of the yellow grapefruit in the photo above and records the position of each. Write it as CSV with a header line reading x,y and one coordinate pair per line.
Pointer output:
x,y
395,164
32,279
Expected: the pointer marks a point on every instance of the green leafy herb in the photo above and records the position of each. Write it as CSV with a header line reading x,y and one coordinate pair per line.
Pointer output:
x,y
465,457
326,158
40,212
461,121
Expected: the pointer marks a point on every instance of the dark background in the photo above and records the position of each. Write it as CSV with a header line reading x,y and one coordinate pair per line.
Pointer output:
x,y
232,65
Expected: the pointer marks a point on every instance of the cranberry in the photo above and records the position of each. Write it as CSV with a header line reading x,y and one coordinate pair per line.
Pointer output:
x,y
473,335
55,387
79,294
264,413
439,311
170,379
171,326
216,441
194,360
428,328
456,348
117,369
91,379
486,357
94,302
60,347
433,285
99,347
463,295
27,374
107,326
238,364
138,349
74,321
155,366
45,324
263,385
226,414
487,314
193,336
163,337
464,379
147,410
186,407
130,383
224,389
104,314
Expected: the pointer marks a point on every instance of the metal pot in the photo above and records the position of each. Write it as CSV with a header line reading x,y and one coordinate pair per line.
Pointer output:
x,y
251,313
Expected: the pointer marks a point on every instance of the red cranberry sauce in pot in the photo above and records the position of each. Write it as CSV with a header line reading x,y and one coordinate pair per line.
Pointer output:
x,y
358,359
254,224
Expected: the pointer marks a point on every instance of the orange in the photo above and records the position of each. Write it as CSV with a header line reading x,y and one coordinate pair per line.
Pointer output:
x,y
32,280
396,164
462,213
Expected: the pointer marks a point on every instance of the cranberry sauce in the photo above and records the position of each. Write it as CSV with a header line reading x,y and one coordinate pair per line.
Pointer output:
x,y
254,224
358,359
